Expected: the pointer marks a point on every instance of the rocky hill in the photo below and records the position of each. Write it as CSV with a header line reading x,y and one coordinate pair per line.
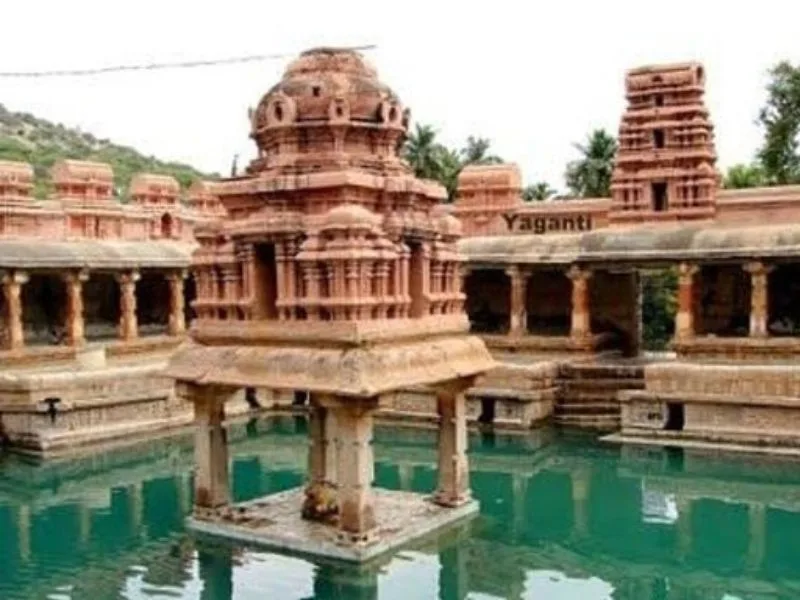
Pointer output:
x,y
27,138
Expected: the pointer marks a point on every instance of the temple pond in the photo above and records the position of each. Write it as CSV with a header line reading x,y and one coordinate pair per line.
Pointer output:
x,y
562,517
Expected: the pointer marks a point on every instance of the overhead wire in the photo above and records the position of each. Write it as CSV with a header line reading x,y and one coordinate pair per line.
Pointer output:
x,y
190,64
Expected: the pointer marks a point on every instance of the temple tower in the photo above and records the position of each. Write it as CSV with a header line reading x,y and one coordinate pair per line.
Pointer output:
x,y
335,271
665,163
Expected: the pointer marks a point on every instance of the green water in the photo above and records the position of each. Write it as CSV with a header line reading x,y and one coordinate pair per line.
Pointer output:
x,y
561,518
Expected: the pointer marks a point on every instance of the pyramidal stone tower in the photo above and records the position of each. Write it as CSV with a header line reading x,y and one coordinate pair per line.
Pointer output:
x,y
665,164
335,271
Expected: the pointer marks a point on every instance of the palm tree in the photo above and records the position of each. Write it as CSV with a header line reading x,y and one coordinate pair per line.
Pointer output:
x,y
421,152
590,175
744,176
476,152
540,190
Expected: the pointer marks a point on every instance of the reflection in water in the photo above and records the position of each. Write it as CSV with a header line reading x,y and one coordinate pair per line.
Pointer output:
x,y
560,518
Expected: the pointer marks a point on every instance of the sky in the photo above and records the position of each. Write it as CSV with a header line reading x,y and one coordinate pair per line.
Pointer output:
x,y
533,77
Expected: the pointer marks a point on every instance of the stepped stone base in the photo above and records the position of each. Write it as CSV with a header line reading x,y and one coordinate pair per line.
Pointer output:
x,y
275,522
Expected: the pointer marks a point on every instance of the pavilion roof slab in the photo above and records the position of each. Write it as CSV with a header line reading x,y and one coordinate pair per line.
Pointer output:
x,y
640,244
94,254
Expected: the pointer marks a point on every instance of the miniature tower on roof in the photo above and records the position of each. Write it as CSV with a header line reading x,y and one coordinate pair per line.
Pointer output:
x,y
335,271
665,164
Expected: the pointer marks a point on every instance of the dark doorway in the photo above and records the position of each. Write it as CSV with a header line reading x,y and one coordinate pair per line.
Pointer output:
x,y
724,301
265,286
660,203
488,301
152,304
300,398
548,302
675,416
488,408
659,100
44,309
101,307
784,300
166,226
658,138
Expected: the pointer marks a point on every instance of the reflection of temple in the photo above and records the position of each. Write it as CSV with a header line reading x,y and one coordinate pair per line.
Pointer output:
x,y
567,507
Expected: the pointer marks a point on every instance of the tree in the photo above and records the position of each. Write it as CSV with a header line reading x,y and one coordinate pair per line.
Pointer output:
x,y
590,175
744,176
476,152
540,190
421,153
780,118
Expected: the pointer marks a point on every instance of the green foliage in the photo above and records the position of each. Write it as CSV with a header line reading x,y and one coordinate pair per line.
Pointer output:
x,y
538,191
590,175
744,176
659,304
41,143
780,118
432,160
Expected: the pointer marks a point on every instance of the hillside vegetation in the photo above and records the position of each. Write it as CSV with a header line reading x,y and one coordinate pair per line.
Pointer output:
x,y
24,137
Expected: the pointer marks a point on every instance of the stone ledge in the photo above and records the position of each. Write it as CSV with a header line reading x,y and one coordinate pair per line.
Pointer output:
x,y
631,396
275,522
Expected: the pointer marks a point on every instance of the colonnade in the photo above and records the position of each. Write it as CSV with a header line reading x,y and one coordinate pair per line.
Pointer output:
x,y
13,283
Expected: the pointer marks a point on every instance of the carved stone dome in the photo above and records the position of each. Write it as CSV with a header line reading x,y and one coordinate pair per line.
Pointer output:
x,y
329,84
349,216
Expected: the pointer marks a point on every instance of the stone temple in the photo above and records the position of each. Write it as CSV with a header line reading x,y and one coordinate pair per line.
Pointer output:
x,y
335,272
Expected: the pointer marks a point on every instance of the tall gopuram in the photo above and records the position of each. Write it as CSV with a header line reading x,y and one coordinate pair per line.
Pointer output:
x,y
665,163
335,272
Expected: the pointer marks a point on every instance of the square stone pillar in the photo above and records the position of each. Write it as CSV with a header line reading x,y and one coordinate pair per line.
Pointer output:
x,y
74,324
453,488
684,316
354,468
580,327
177,315
128,325
759,297
12,291
517,313
211,484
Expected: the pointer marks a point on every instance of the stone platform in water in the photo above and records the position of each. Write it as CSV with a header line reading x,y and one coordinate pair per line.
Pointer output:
x,y
274,522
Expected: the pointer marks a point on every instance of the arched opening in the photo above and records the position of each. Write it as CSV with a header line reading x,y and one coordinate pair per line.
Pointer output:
x,y
166,226
152,304
784,301
101,310
488,303
44,310
547,300
265,286
724,301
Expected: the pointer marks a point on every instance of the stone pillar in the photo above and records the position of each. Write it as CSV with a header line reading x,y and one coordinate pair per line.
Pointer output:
x,y
517,313
354,423
212,488
12,290
684,316
759,297
128,326
322,445
74,318
177,315
581,312
453,488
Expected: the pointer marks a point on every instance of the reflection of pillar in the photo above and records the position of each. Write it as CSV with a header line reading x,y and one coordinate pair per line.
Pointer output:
x,y
517,313
684,527
354,423
580,497
684,316
183,484
759,297
581,311
453,565
12,290
345,581
177,314
84,524
136,508
406,474
758,530
215,569
519,490
453,488
212,489
128,326
24,531
74,317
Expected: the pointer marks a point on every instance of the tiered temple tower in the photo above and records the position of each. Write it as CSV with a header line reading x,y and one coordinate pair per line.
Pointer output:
x,y
665,164
335,271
